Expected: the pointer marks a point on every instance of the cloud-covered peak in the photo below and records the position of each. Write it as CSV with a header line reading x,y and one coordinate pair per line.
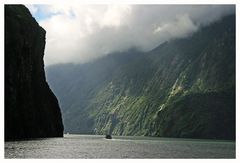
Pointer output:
x,y
78,34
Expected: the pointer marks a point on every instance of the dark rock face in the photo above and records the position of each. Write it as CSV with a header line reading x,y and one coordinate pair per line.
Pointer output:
x,y
31,109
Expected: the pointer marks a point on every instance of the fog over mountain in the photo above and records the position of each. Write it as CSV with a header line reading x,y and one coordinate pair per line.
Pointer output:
x,y
80,33
182,88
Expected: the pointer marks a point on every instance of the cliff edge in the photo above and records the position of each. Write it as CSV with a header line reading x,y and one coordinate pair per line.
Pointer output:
x,y
31,109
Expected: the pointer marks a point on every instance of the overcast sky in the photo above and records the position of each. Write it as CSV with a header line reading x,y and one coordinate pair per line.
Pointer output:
x,y
78,34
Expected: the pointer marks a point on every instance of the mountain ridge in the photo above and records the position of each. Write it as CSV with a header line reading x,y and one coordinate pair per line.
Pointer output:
x,y
139,96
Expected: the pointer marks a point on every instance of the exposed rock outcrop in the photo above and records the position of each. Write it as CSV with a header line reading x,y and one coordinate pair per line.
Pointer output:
x,y
182,88
31,109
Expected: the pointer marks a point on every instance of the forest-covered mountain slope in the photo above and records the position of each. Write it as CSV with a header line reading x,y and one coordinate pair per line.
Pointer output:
x,y
182,88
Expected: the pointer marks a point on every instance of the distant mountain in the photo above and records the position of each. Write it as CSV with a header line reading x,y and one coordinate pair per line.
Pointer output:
x,y
31,109
182,88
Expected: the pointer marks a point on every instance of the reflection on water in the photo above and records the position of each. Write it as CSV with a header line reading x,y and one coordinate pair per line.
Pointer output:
x,y
96,146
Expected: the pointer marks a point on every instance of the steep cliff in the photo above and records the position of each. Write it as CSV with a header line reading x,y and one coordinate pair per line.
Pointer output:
x,y
182,88
31,109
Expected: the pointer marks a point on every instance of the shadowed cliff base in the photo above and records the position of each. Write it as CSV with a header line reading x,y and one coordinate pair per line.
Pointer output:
x,y
31,109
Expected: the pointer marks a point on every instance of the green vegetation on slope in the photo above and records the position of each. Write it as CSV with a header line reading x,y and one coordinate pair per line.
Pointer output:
x,y
182,88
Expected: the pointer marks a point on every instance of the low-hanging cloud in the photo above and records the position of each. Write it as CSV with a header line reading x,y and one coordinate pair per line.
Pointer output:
x,y
78,34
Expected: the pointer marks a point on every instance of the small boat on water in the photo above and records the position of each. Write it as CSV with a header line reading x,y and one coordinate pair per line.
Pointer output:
x,y
108,136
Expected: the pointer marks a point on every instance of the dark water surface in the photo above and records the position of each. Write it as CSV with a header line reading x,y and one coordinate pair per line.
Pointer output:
x,y
96,146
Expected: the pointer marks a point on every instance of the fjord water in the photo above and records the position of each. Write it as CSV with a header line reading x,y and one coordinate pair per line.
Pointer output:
x,y
96,146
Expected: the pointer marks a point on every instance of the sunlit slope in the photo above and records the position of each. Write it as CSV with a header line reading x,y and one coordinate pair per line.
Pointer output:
x,y
182,88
